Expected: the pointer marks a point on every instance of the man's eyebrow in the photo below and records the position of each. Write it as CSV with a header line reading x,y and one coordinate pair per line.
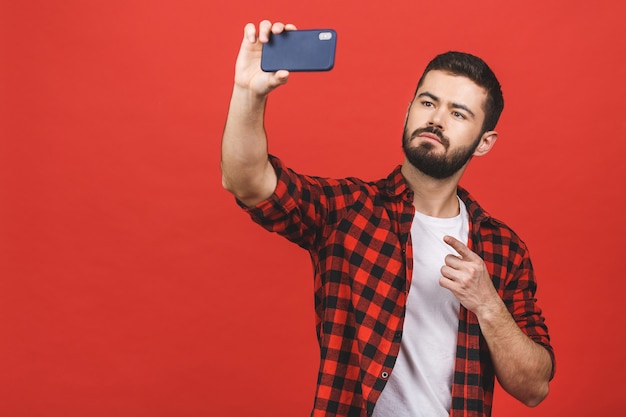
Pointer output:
x,y
454,105
429,95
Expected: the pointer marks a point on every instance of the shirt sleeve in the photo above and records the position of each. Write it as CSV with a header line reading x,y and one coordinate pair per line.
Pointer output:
x,y
298,209
520,298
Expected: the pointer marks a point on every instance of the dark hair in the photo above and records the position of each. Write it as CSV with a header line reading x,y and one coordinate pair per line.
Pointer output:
x,y
474,68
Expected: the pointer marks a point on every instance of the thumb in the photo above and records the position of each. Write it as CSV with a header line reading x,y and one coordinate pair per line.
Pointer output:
x,y
279,78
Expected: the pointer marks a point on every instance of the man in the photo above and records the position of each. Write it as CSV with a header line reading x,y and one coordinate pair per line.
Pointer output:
x,y
421,297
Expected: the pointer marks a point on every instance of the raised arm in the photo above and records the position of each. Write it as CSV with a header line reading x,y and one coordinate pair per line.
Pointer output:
x,y
246,171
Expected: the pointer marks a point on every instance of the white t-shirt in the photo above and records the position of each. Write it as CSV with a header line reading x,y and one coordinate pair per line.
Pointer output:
x,y
421,381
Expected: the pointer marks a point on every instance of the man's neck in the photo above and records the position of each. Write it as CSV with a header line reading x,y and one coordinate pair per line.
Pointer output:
x,y
433,197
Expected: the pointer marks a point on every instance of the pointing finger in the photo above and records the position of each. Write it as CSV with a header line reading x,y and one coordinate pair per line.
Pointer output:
x,y
458,246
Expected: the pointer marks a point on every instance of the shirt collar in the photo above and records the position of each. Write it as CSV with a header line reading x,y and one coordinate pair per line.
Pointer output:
x,y
475,210
396,187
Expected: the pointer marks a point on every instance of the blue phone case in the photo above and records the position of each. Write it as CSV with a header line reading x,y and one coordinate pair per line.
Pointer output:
x,y
300,50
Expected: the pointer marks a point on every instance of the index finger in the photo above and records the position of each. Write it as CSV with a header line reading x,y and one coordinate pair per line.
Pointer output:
x,y
458,246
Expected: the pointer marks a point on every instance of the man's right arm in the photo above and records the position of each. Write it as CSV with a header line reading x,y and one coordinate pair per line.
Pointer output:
x,y
246,171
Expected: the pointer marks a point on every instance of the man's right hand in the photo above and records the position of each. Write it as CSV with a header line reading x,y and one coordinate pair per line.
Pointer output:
x,y
246,170
248,73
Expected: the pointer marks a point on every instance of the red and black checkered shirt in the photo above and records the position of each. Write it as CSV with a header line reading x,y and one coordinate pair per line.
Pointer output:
x,y
358,236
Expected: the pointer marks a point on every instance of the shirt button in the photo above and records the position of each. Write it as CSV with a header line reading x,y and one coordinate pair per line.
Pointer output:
x,y
385,375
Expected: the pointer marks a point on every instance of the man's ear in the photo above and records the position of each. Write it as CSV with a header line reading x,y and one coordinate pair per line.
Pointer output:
x,y
487,140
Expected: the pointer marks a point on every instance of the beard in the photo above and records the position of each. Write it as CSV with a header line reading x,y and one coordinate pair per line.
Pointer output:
x,y
438,166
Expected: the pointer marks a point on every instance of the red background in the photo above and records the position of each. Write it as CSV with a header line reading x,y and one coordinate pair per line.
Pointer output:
x,y
132,285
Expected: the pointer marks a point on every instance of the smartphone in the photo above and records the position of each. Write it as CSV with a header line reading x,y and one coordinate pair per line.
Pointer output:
x,y
300,50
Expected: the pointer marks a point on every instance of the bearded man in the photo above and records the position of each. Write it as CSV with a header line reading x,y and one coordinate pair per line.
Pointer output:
x,y
422,298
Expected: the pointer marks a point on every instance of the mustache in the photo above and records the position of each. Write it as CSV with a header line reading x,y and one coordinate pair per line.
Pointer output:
x,y
435,131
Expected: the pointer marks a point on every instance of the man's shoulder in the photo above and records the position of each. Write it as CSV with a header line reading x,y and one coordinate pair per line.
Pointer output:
x,y
488,224
340,185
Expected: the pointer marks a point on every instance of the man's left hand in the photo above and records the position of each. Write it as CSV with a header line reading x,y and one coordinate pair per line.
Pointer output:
x,y
467,277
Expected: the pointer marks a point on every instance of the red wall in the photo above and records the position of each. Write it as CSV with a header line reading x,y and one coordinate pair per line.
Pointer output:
x,y
132,285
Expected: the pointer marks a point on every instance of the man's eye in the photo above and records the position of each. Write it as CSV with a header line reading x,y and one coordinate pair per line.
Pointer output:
x,y
427,104
458,115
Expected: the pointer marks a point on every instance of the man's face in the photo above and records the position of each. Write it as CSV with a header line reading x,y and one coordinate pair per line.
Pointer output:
x,y
444,124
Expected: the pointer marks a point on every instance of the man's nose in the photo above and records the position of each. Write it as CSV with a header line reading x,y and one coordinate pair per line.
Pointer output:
x,y
436,119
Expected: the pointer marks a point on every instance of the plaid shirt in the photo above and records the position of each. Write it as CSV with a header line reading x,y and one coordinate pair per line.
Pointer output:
x,y
358,236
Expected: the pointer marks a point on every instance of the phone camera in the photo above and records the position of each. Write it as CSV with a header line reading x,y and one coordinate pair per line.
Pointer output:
x,y
325,36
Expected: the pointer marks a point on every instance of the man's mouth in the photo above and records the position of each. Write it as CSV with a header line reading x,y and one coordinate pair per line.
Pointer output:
x,y
430,136
431,133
